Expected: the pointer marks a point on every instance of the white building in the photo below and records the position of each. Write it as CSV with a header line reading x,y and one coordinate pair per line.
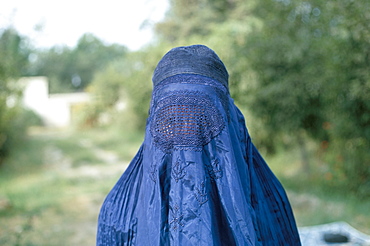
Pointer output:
x,y
54,109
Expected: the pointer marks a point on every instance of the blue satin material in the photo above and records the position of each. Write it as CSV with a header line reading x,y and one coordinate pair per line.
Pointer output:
x,y
219,193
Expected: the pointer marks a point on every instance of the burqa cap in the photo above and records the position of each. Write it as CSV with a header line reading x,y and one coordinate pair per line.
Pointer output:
x,y
194,59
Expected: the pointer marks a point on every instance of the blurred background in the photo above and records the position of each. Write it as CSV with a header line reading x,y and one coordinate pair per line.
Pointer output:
x,y
75,87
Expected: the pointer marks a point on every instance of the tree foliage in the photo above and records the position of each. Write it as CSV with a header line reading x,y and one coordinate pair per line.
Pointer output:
x,y
14,53
312,60
72,69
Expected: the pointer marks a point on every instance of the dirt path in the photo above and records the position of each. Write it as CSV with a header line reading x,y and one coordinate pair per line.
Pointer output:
x,y
84,226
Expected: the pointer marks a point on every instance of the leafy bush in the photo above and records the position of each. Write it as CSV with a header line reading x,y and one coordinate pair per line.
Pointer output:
x,y
16,129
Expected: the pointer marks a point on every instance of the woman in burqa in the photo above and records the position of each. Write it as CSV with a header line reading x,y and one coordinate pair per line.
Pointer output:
x,y
197,179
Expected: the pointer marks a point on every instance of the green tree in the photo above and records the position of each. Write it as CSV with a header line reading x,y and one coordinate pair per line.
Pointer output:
x,y
72,69
288,54
14,52
349,95
312,61
58,65
91,55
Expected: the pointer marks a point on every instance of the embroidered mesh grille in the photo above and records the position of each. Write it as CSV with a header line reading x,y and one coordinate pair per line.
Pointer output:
x,y
185,118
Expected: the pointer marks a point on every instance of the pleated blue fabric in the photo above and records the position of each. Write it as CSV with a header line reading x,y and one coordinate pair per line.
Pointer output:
x,y
197,179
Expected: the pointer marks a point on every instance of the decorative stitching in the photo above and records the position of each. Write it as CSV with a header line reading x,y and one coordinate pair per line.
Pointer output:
x,y
201,194
188,148
178,170
176,218
214,169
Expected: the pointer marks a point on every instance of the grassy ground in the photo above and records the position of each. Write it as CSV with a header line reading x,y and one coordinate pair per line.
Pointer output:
x,y
53,185
314,203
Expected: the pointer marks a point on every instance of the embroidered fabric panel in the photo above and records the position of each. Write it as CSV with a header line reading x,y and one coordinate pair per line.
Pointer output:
x,y
185,118
221,91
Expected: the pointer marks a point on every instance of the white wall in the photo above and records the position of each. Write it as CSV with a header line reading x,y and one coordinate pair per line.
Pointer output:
x,y
54,109
60,107
36,95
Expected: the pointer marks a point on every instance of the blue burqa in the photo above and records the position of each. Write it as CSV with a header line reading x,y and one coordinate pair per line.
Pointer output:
x,y
197,179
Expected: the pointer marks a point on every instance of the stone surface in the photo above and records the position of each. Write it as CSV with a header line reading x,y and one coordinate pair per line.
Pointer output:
x,y
342,233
